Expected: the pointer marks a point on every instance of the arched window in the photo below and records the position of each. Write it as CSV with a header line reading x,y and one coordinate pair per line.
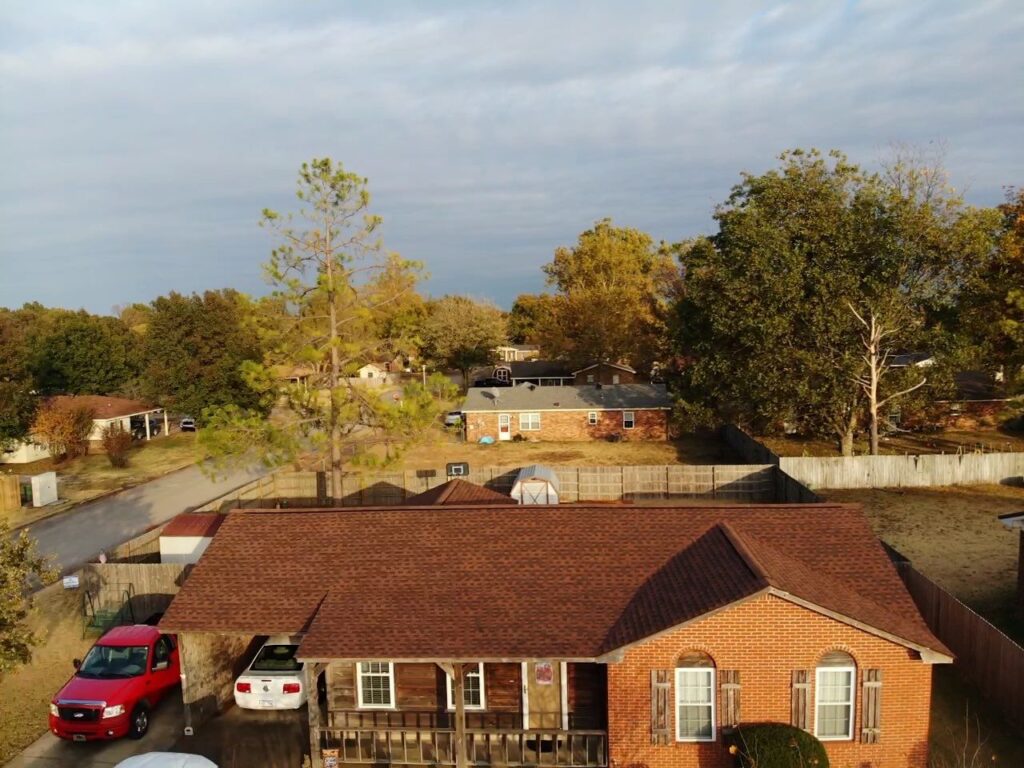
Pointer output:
x,y
695,697
834,690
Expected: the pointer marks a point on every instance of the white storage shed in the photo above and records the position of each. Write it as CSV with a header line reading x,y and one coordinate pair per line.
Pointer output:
x,y
536,485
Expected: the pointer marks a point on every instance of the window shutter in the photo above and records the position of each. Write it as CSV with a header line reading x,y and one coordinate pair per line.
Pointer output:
x,y
801,697
661,696
730,697
871,732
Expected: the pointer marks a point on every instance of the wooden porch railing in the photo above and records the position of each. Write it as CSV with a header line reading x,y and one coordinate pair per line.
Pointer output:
x,y
435,746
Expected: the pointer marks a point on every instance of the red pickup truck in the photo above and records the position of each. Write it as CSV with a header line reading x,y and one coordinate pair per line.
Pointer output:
x,y
116,685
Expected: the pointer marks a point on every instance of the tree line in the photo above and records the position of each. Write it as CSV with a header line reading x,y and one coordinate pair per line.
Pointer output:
x,y
787,316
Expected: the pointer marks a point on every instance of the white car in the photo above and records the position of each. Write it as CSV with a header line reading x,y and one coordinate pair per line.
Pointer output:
x,y
453,419
274,679
166,760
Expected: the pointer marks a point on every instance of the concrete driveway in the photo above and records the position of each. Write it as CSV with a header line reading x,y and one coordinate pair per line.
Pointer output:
x,y
79,535
165,728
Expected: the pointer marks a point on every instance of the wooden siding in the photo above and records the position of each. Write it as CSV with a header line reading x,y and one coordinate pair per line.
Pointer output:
x,y
421,697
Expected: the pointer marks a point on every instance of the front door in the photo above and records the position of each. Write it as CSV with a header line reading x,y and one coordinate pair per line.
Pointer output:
x,y
543,692
504,426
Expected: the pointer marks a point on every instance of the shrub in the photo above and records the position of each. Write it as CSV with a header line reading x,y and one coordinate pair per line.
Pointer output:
x,y
776,745
116,442
64,431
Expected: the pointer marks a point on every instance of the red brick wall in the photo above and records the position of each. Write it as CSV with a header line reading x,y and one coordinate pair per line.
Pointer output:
x,y
766,639
573,425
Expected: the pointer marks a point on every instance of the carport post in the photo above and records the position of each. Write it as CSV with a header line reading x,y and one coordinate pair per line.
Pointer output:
x,y
167,427
313,670
145,418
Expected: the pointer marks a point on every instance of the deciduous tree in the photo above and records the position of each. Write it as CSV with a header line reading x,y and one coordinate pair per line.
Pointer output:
x,y
612,302
20,564
770,318
194,350
64,429
461,333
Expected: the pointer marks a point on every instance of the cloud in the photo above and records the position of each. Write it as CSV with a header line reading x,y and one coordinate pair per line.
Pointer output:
x,y
141,140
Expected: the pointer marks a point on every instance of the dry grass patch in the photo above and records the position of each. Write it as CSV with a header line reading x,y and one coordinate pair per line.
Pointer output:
x,y
439,448
91,476
26,692
952,536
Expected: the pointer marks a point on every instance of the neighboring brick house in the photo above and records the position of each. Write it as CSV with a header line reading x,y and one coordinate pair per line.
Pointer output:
x,y
572,636
557,373
596,412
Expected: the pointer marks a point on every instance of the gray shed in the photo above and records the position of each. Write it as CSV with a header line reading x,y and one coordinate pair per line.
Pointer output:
x,y
536,485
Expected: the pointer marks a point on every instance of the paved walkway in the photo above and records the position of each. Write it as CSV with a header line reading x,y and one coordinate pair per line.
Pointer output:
x,y
76,537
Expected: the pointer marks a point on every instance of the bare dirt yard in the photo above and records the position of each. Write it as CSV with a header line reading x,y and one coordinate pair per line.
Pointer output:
x,y
25,693
953,537
946,441
92,476
440,448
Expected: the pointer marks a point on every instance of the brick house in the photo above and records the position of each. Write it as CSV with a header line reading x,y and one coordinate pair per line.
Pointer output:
x,y
596,412
641,639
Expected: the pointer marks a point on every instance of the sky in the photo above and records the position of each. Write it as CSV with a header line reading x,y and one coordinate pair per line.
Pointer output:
x,y
139,141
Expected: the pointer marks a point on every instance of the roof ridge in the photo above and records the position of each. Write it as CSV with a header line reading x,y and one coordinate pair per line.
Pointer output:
x,y
448,490
735,539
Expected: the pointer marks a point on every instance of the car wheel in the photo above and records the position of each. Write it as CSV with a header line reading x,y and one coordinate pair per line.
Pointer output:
x,y
140,721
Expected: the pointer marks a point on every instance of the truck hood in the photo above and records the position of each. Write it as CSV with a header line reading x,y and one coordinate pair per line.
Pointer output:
x,y
110,690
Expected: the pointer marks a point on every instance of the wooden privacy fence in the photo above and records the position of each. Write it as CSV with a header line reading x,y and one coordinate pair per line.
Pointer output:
x,y
986,656
905,471
744,482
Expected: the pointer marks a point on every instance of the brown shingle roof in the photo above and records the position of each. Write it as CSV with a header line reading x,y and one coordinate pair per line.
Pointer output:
x,y
102,406
458,491
562,582
194,524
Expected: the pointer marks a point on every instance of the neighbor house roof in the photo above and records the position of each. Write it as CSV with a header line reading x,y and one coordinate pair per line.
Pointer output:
x,y
526,397
193,524
620,366
458,491
462,582
102,406
538,369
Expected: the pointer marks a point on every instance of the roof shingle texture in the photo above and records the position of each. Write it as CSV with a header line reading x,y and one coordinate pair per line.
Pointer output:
x,y
526,398
458,491
537,582
103,407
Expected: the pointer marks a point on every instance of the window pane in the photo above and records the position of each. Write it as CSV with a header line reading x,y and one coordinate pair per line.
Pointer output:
x,y
834,720
834,687
695,722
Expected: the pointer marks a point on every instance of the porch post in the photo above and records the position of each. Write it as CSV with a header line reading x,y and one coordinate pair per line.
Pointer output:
x,y
313,671
461,758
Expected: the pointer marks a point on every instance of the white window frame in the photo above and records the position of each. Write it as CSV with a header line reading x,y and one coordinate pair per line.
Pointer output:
x,y
631,419
483,695
713,683
359,685
615,378
852,703
525,426
590,378
592,418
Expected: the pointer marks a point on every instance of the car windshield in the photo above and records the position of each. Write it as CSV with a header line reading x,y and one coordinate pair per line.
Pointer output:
x,y
107,661
276,658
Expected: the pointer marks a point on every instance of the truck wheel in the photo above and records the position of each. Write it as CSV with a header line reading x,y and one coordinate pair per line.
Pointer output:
x,y
140,721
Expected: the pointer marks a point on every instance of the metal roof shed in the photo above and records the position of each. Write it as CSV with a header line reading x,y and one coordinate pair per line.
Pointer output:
x,y
536,485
